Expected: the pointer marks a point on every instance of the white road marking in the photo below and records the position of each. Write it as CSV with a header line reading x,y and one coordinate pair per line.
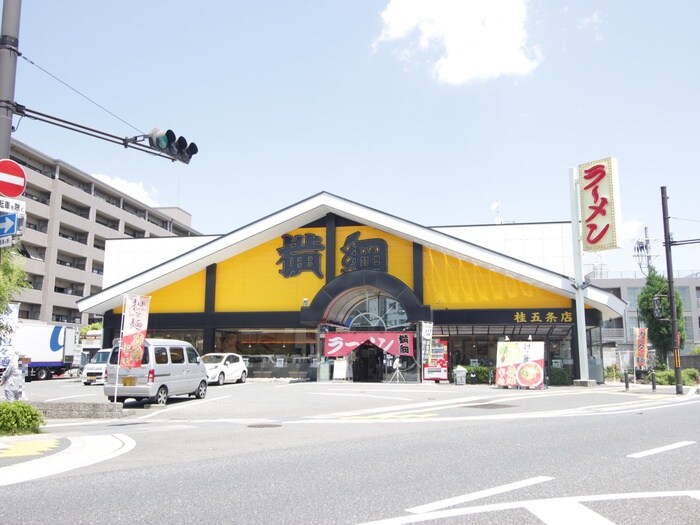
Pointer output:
x,y
198,402
563,503
373,396
396,388
82,452
660,449
396,408
67,397
566,512
458,500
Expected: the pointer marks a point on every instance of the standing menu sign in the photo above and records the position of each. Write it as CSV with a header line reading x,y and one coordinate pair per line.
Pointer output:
x,y
435,361
520,364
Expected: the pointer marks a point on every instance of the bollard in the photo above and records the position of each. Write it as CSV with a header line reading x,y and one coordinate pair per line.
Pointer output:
x,y
627,380
653,381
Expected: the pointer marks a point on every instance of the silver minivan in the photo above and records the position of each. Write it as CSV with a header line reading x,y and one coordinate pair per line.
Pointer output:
x,y
169,367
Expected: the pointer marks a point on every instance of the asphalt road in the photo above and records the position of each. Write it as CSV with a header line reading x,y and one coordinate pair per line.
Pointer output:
x,y
320,453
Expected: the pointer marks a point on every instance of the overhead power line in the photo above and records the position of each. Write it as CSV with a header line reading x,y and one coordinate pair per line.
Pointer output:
x,y
80,93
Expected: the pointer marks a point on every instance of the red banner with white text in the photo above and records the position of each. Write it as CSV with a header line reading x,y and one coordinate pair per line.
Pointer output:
x,y
340,344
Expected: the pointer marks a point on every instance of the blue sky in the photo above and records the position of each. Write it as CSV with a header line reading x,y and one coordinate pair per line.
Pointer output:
x,y
429,110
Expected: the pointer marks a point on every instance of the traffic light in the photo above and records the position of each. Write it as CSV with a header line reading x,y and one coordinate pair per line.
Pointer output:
x,y
656,306
167,142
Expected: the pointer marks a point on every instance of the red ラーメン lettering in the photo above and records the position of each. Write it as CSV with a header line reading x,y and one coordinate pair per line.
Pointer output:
x,y
595,175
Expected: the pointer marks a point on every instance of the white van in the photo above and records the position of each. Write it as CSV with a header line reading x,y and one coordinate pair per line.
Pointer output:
x,y
93,372
169,367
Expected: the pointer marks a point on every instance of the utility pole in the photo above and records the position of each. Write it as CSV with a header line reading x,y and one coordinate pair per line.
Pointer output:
x,y
9,50
642,252
671,294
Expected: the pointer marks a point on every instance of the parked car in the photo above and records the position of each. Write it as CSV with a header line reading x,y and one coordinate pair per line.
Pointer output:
x,y
169,367
225,368
93,371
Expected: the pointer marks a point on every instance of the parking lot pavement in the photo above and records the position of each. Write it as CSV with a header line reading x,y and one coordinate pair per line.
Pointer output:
x,y
77,402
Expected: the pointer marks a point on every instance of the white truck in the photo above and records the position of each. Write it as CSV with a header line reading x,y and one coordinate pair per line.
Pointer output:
x,y
48,349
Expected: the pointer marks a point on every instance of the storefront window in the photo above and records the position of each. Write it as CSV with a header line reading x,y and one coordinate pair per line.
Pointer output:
x,y
279,353
380,312
194,337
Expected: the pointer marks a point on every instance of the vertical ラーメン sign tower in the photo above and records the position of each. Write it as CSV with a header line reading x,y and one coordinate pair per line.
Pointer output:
x,y
595,219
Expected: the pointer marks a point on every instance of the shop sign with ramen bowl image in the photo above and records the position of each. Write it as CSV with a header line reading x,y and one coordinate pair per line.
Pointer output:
x,y
520,364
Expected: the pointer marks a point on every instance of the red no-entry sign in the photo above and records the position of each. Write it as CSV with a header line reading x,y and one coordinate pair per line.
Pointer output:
x,y
12,178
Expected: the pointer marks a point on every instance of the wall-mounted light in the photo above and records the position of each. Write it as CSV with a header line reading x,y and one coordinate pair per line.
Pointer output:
x,y
305,301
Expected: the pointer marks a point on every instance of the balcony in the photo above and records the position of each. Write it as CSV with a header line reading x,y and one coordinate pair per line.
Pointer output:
x,y
613,335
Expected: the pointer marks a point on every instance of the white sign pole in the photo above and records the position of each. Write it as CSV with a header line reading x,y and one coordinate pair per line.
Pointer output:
x,y
576,240
119,355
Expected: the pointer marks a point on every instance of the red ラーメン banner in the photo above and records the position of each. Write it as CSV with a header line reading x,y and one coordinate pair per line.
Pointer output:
x,y
340,344
134,325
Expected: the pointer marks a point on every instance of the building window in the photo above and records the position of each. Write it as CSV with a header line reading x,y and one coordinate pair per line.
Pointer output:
x,y
684,293
632,294
109,222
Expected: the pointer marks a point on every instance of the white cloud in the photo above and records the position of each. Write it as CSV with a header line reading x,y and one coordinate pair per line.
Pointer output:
x,y
592,23
133,189
476,40
632,230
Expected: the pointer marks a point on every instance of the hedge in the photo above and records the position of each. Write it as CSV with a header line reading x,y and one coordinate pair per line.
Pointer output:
x,y
18,417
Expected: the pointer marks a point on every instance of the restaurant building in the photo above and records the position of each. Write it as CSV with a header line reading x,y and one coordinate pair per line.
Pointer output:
x,y
328,280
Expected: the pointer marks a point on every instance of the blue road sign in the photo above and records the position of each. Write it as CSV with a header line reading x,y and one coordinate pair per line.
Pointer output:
x,y
8,224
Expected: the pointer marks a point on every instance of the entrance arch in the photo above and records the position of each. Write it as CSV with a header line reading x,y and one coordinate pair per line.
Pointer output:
x,y
337,299
364,317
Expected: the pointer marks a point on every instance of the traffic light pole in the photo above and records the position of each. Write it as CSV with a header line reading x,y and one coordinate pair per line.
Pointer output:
x,y
9,45
671,294
9,51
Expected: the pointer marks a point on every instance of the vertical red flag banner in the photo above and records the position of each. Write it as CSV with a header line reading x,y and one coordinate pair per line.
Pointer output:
x,y
640,347
134,325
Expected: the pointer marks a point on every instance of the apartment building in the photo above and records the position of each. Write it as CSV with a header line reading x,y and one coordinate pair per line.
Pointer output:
x,y
69,217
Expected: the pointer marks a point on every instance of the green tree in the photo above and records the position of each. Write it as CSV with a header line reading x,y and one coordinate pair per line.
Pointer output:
x,y
12,280
659,330
88,328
